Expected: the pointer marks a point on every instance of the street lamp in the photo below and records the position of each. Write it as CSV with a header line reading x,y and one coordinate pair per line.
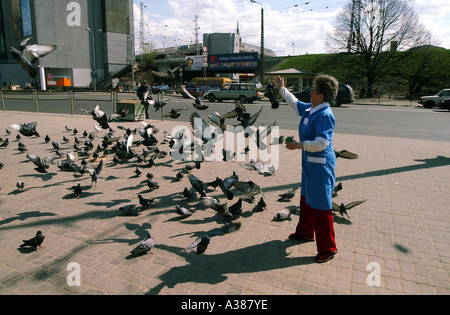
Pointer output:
x,y
94,56
261,67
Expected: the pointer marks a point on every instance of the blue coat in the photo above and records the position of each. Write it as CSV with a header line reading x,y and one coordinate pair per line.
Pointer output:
x,y
318,168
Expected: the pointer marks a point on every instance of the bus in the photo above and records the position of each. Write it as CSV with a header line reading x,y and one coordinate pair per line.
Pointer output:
x,y
200,85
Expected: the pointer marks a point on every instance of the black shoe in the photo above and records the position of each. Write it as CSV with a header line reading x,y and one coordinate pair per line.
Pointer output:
x,y
297,237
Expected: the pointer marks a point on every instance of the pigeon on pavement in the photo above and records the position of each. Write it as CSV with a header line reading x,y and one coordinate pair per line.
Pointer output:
x,y
288,195
20,185
35,241
145,246
282,215
26,55
182,211
145,203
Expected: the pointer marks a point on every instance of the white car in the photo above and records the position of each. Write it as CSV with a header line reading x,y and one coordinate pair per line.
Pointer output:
x,y
434,100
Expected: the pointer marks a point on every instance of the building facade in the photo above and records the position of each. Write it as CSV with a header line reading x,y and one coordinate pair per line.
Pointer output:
x,y
92,37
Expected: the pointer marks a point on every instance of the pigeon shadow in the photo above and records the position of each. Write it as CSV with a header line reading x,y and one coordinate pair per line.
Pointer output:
x,y
426,164
213,269
26,215
341,220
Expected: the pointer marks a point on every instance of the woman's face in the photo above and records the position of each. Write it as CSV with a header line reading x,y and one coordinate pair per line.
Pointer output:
x,y
316,98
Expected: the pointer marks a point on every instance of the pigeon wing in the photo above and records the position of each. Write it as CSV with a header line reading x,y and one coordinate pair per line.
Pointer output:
x,y
354,204
335,206
34,52
35,159
23,44
187,93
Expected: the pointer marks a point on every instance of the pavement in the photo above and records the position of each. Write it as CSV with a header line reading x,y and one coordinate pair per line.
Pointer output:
x,y
397,242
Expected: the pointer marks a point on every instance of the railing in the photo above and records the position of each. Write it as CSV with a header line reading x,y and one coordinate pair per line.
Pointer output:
x,y
57,102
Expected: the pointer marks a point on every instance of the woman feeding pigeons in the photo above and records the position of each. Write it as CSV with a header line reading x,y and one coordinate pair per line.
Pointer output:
x,y
316,131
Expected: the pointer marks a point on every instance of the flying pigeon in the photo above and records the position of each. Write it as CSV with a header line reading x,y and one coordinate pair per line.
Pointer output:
x,y
203,241
337,188
145,246
225,186
236,208
175,113
169,75
197,184
221,208
27,130
101,117
26,55
35,241
95,172
346,154
250,189
342,209
198,100
272,95
238,111
42,164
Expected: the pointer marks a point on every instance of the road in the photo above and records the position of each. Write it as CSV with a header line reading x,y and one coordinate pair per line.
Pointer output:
x,y
413,122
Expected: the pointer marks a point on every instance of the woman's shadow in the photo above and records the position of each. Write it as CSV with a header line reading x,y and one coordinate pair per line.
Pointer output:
x,y
212,269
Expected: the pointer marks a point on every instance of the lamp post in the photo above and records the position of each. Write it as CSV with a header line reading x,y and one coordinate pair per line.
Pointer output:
x,y
94,56
261,67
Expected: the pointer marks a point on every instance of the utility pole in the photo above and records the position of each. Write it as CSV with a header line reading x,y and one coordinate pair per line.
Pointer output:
x,y
196,35
261,66
141,29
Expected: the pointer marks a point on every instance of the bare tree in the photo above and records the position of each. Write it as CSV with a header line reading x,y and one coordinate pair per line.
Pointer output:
x,y
373,31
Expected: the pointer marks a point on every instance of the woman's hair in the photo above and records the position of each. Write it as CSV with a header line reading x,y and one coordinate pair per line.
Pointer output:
x,y
328,86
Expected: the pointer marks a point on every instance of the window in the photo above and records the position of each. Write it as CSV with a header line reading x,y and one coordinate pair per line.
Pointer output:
x,y
21,12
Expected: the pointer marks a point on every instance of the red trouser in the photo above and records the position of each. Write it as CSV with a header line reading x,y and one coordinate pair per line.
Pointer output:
x,y
319,222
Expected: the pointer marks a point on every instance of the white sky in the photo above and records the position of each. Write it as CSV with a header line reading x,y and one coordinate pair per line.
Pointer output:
x,y
290,27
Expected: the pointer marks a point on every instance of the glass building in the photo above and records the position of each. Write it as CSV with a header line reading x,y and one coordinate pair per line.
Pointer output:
x,y
91,37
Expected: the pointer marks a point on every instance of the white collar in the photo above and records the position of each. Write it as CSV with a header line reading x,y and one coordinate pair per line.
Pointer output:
x,y
318,107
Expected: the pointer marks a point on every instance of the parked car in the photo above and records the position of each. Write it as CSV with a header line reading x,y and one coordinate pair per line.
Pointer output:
x,y
244,92
160,88
434,100
345,95
445,104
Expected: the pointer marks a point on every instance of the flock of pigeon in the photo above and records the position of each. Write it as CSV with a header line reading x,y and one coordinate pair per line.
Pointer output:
x,y
124,150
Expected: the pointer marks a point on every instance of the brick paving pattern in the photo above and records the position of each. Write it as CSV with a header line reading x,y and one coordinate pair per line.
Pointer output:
x,y
397,242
